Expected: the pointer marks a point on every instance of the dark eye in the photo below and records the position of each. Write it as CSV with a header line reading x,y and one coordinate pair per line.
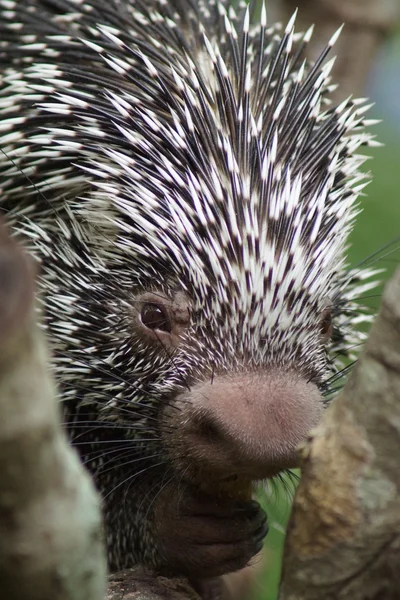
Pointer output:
x,y
326,323
155,317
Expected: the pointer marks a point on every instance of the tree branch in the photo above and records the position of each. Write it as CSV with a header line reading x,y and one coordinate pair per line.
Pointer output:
x,y
139,584
51,544
367,25
343,540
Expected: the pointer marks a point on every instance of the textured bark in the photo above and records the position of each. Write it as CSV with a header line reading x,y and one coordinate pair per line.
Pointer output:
x,y
343,540
137,584
367,24
51,545
140,584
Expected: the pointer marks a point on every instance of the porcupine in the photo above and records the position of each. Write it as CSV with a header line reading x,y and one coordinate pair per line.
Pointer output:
x,y
188,189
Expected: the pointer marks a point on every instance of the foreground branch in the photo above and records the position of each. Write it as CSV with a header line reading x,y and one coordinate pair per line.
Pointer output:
x,y
137,584
50,527
343,541
367,25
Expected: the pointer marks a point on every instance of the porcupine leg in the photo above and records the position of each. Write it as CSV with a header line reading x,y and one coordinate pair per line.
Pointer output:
x,y
203,537
232,586
182,532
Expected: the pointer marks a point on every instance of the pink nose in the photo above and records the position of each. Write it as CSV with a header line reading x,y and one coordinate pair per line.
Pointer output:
x,y
248,423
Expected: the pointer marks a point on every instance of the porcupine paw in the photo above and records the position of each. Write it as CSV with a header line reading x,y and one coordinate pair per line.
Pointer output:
x,y
202,536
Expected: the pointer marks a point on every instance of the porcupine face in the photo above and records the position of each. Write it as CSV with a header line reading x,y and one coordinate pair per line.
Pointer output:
x,y
199,195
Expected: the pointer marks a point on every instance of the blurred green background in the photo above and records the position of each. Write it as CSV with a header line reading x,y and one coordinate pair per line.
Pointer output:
x,y
378,224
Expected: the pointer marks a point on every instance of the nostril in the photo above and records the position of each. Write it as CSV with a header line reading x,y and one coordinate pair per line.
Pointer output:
x,y
207,441
209,430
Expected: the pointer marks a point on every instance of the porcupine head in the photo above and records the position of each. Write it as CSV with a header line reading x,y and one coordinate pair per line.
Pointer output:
x,y
190,193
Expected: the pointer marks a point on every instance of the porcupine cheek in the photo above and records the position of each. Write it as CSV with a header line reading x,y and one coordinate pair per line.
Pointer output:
x,y
248,425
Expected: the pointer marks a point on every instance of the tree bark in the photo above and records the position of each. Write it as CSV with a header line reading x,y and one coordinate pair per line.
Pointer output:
x,y
137,584
343,540
367,23
51,543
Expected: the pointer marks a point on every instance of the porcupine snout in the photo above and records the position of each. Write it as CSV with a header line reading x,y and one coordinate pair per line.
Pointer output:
x,y
248,425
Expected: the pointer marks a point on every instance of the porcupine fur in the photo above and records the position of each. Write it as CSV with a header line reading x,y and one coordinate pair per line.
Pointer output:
x,y
169,147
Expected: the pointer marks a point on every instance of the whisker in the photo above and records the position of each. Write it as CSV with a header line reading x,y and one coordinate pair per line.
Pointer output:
x,y
123,465
130,478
